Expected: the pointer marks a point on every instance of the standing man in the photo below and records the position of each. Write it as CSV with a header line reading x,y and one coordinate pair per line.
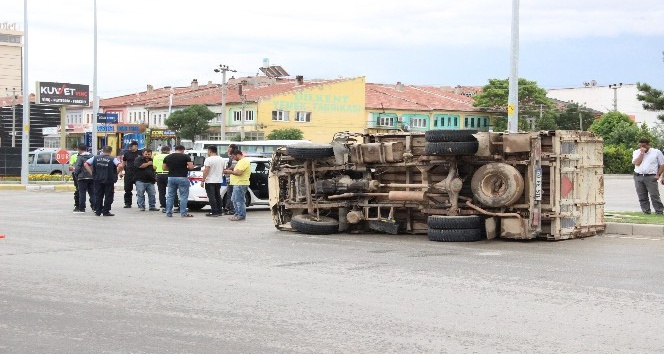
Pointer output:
x,y
178,166
229,209
85,185
648,167
145,179
104,169
72,168
162,176
213,173
240,181
130,171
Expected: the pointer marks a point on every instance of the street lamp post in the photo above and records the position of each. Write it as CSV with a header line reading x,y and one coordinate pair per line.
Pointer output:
x,y
513,94
25,129
223,69
242,117
615,88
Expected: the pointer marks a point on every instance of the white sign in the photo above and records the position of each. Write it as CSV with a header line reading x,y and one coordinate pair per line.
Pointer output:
x,y
50,131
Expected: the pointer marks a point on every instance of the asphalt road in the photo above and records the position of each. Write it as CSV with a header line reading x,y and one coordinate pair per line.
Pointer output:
x,y
143,283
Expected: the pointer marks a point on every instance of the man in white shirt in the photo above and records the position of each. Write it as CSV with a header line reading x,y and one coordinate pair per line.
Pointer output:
x,y
648,168
213,172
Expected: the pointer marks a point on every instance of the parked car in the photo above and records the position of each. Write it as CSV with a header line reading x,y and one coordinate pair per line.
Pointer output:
x,y
42,161
257,193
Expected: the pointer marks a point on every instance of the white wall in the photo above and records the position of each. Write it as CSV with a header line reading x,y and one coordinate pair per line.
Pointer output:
x,y
601,98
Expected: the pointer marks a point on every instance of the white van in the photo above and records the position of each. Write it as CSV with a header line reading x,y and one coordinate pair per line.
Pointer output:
x,y
42,161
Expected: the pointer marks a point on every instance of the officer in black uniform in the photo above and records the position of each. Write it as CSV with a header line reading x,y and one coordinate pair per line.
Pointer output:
x,y
104,169
130,171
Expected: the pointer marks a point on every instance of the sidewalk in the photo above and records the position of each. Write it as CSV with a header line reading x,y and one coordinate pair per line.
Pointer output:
x,y
55,187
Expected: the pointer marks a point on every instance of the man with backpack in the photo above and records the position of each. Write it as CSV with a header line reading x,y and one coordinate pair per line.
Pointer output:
x,y
83,178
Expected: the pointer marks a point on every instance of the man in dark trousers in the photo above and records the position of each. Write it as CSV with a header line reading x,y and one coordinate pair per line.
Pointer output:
x,y
162,176
130,171
84,179
178,165
104,169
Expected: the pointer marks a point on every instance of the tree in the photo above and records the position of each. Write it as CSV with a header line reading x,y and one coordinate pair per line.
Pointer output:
x,y
286,134
608,122
653,99
532,103
568,119
190,122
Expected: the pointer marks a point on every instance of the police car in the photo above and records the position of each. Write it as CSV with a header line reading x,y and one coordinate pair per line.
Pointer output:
x,y
257,193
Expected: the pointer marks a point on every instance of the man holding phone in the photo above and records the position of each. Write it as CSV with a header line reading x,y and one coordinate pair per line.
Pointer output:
x,y
648,167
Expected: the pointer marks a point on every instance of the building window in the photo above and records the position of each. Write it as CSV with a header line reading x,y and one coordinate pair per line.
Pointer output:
x,y
385,121
248,116
435,123
472,122
237,116
303,116
280,116
418,122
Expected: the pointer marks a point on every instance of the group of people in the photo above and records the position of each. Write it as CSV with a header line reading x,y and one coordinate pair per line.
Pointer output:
x,y
95,176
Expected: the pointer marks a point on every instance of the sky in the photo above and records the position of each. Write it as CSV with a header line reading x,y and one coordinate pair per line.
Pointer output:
x,y
563,43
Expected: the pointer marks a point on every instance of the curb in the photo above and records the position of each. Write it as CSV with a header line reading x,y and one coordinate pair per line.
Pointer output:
x,y
634,229
44,188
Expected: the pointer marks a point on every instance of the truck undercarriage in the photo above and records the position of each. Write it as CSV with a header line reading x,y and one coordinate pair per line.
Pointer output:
x,y
454,185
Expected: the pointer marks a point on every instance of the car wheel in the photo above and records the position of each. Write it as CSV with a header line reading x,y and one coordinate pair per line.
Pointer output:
x,y
310,151
497,184
450,135
455,235
451,148
310,224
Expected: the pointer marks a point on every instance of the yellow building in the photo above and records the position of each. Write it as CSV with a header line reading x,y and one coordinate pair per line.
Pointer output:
x,y
318,110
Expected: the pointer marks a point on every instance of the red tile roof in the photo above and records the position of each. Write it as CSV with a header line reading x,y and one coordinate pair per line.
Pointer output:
x,y
416,98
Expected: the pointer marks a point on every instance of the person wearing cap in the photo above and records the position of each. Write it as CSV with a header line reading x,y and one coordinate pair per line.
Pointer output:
x,y
128,159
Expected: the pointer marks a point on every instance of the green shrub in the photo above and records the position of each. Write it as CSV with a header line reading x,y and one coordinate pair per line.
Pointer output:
x,y
617,159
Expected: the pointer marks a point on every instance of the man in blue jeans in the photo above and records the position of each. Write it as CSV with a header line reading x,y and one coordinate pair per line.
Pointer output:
x,y
240,181
145,178
178,165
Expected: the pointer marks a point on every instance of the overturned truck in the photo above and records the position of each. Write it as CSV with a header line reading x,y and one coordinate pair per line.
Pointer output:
x,y
454,185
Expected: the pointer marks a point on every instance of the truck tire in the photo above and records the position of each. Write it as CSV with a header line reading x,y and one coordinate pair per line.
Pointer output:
x,y
436,136
497,184
456,235
455,222
310,151
451,148
309,224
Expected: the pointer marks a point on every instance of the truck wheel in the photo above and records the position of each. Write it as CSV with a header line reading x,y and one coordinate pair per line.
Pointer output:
x,y
309,224
435,136
451,148
497,184
455,222
310,151
456,235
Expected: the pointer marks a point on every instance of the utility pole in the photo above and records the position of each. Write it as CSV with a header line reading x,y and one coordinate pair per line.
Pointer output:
x,y
25,135
14,97
615,88
244,99
223,69
513,99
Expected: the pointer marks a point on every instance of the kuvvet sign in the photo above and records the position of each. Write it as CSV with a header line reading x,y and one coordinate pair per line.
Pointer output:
x,y
65,94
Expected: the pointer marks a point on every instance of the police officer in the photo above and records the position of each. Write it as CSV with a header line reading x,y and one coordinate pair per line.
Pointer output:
x,y
130,171
72,164
104,169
